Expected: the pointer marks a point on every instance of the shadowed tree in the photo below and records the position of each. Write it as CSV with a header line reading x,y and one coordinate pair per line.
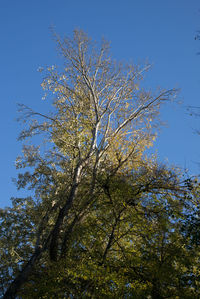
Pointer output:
x,y
101,124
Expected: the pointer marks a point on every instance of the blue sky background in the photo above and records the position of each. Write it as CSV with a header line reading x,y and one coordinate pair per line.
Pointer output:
x,y
160,32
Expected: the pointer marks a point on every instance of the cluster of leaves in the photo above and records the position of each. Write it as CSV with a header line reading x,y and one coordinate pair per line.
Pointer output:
x,y
105,221
134,240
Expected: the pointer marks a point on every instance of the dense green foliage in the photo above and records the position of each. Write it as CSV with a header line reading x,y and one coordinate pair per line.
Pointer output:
x,y
105,221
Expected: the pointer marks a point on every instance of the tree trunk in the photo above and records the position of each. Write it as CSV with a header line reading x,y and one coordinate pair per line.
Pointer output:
x,y
22,276
53,238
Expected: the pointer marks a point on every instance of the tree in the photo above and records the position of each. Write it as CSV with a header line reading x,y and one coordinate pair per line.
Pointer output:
x,y
96,136
134,241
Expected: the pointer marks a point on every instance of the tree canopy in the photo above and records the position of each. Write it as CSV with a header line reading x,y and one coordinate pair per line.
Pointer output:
x,y
106,220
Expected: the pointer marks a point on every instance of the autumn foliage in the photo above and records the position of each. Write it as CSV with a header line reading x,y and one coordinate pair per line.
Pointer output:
x,y
106,219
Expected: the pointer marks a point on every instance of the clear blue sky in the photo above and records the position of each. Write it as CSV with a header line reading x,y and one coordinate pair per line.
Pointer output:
x,y
160,32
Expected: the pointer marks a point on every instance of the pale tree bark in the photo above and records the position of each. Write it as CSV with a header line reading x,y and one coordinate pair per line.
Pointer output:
x,y
115,106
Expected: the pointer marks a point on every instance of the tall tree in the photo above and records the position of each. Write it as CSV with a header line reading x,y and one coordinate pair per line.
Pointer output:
x,y
101,124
